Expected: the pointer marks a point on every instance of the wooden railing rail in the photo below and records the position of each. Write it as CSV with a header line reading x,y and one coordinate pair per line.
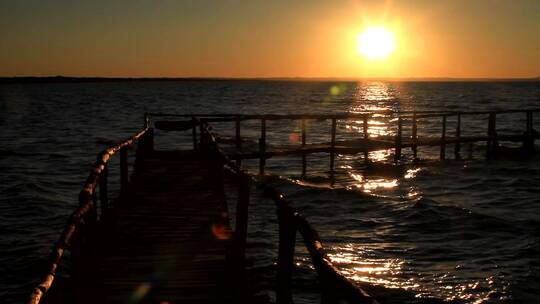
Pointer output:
x,y
402,119
86,213
404,114
335,288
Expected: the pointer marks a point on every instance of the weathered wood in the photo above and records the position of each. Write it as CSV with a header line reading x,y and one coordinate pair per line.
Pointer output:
x,y
146,142
285,263
242,216
103,189
333,145
415,137
443,139
84,215
403,114
457,145
182,125
492,142
351,147
304,162
123,171
262,147
171,239
397,154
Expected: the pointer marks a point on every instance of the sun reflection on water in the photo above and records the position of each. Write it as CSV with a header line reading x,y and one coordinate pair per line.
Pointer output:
x,y
357,262
362,268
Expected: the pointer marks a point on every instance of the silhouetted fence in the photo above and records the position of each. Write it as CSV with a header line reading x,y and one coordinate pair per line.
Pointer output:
x,y
80,231
335,288
366,143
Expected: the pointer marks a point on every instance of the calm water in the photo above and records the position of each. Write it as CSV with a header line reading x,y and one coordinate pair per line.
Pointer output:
x,y
465,230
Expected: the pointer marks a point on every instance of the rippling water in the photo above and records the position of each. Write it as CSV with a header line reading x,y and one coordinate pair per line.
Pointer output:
x,y
465,230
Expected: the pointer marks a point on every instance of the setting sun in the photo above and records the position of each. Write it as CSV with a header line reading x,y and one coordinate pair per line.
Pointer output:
x,y
376,43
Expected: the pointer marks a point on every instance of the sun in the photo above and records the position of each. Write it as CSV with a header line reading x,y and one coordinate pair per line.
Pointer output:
x,y
376,43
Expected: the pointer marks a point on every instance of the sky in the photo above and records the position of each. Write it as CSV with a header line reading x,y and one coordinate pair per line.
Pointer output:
x,y
278,38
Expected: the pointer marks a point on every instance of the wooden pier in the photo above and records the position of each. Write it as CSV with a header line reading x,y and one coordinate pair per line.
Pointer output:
x,y
167,238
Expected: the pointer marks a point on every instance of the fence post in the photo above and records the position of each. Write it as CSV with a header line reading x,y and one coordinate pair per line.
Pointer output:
x,y
103,186
83,252
123,170
262,147
146,142
287,242
146,120
415,137
492,143
333,145
303,146
366,137
397,155
238,141
204,141
443,139
457,146
242,217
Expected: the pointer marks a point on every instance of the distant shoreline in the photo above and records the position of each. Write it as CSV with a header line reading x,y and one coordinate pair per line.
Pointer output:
x,y
65,79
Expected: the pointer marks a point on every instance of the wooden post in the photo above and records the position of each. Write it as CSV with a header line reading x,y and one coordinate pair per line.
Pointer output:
x,y
146,120
366,138
285,263
492,143
83,253
303,145
443,139
457,146
194,132
333,145
203,145
103,187
146,142
238,140
262,147
123,171
242,217
397,155
415,137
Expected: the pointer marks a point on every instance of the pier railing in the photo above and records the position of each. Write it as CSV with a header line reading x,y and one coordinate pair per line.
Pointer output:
x,y
335,288
401,121
79,234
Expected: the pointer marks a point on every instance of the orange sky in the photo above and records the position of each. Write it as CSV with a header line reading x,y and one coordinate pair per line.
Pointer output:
x,y
231,38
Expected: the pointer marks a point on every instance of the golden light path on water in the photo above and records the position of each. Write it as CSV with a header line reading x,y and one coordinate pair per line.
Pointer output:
x,y
360,262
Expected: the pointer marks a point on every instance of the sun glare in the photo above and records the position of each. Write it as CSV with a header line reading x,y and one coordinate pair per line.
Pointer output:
x,y
376,43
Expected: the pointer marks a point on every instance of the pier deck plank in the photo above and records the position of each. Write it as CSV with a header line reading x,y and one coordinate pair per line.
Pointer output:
x,y
164,247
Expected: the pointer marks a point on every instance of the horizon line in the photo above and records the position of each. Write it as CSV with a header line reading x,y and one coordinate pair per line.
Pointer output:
x,y
62,78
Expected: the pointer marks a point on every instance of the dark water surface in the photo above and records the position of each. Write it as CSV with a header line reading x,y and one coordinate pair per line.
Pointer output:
x,y
464,230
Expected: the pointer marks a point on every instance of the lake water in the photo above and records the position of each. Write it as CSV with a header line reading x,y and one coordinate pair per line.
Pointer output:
x,y
465,230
